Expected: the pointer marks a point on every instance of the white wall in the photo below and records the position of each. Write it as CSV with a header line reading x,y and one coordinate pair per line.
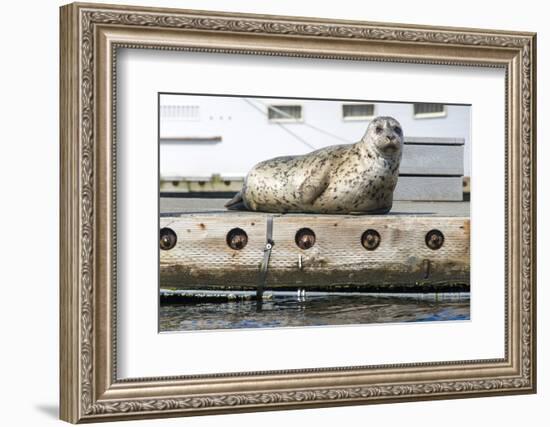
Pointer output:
x,y
29,171
248,137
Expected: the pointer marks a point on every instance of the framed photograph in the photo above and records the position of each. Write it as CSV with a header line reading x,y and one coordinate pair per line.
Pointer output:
x,y
267,212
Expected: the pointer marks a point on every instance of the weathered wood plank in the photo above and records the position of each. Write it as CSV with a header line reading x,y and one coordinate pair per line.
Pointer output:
x,y
202,258
433,140
170,206
432,160
429,188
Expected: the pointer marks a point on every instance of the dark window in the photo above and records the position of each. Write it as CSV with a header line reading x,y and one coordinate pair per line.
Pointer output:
x,y
429,110
284,112
358,111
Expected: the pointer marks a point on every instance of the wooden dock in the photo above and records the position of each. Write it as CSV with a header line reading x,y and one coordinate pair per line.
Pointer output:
x,y
418,246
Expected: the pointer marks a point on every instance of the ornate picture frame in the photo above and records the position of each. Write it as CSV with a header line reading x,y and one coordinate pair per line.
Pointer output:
x,y
90,37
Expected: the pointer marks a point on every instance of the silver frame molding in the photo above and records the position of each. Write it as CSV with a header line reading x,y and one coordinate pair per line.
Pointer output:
x,y
90,37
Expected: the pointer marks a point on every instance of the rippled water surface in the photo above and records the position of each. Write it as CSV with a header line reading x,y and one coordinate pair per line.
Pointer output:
x,y
315,310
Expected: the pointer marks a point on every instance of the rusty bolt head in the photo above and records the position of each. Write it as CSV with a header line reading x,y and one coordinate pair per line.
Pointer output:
x,y
237,239
434,239
168,238
305,238
370,240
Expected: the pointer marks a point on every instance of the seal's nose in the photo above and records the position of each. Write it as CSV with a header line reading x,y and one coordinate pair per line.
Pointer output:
x,y
391,137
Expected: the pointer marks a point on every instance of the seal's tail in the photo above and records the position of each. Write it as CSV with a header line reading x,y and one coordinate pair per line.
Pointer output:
x,y
236,203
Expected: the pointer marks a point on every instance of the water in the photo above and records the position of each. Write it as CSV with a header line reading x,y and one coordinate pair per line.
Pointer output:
x,y
320,309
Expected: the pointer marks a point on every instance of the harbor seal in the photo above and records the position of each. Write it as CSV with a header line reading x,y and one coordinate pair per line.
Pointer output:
x,y
348,178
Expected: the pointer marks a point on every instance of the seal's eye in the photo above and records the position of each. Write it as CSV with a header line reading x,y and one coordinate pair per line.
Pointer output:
x,y
397,130
379,129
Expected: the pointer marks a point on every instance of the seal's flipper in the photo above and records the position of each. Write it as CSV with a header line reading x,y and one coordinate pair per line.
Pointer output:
x,y
236,203
313,186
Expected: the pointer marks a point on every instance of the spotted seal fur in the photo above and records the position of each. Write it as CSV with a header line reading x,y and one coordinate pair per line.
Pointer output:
x,y
348,178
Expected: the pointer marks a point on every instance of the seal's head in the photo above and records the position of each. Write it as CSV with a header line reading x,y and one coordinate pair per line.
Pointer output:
x,y
385,136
